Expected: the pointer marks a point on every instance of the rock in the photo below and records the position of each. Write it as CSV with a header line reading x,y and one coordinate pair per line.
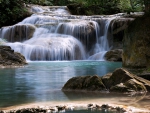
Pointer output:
x,y
114,55
119,88
100,108
30,110
13,33
123,76
119,25
90,105
105,106
85,83
119,81
136,44
131,85
9,58
118,76
145,76
135,85
120,110
105,80
60,108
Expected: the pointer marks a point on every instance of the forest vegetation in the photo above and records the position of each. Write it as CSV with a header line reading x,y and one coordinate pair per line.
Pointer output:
x,y
13,11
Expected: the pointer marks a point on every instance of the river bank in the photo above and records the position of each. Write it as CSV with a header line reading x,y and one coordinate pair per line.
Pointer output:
x,y
87,105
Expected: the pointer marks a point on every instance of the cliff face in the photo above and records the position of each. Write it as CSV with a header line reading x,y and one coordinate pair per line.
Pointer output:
x,y
136,44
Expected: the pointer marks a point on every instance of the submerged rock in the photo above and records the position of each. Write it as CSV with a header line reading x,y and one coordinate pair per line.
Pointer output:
x,y
119,81
9,58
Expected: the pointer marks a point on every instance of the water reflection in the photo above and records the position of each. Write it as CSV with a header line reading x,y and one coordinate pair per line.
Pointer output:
x,y
12,89
42,81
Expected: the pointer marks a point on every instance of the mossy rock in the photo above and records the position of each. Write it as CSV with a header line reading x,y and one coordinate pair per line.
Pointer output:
x,y
119,81
84,83
130,81
136,44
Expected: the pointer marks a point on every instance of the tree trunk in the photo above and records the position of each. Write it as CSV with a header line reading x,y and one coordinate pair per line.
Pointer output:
x,y
147,6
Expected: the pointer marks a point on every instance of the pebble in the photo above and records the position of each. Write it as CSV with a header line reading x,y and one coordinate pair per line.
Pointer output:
x,y
60,109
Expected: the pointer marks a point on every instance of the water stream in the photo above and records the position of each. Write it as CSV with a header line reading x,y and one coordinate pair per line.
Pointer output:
x,y
52,33
57,46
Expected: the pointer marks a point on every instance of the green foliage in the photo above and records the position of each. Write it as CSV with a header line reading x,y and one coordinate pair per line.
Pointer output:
x,y
137,5
39,2
130,5
11,11
96,6
125,5
110,6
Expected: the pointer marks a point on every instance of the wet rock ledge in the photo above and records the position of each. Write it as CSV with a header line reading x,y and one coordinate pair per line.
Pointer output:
x,y
9,58
119,81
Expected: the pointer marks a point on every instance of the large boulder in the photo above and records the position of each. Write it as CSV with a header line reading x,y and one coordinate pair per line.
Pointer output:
x,y
127,79
119,81
9,58
118,76
131,85
87,83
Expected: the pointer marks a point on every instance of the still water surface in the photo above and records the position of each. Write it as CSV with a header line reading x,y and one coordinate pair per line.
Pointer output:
x,y
42,81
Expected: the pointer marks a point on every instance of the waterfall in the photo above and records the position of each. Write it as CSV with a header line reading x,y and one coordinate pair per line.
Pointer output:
x,y
50,47
52,33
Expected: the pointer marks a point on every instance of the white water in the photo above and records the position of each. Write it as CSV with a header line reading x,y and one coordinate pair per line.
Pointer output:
x,y
50,47
51,33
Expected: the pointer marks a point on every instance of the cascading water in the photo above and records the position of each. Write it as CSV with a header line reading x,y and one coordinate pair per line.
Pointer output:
x,y
51,33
